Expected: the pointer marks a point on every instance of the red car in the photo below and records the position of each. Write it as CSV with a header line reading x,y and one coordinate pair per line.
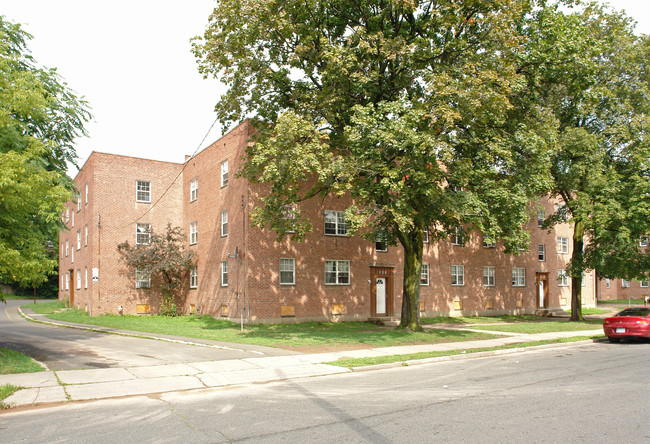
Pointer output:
x,y
633,322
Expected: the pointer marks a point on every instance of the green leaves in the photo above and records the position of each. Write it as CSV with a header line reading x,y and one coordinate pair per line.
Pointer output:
x,y
417,110
165,259
433,114
31,201
39,120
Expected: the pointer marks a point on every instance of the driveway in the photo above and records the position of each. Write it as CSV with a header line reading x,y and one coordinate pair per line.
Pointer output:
x,y
63,348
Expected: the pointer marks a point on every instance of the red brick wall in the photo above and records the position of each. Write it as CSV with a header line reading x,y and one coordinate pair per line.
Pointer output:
x,y
212,248
112,200
253,289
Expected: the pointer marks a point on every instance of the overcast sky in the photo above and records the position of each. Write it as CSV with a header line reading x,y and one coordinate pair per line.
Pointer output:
x,y
131,61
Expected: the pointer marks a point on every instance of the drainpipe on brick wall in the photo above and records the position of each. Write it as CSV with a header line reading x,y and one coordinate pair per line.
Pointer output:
x,y
99,259
245,223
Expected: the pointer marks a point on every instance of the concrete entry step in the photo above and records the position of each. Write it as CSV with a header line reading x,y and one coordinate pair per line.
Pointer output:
x,y
388,321
549,313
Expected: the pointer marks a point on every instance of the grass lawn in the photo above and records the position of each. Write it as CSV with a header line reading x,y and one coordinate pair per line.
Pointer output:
x,y
13,296
14,362
481,319
592,311
45,307
622,302
361,362
543,326
301,336
25,297
6,391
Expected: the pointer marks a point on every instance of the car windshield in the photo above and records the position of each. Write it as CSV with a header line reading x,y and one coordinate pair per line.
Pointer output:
x,y
637,311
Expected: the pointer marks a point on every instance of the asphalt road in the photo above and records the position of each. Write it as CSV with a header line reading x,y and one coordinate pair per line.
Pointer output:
x,y
588,393
68,349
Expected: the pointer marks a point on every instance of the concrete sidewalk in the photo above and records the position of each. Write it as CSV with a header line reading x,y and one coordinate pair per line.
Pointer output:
x,y
77,385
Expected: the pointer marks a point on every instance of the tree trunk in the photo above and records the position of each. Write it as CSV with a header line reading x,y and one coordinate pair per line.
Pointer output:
x,y
412,243
577,267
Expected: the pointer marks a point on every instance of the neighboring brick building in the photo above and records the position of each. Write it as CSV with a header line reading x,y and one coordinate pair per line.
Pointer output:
x,y
242,271
115,200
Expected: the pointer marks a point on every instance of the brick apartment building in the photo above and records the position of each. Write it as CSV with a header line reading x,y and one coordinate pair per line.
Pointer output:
x,y
242,271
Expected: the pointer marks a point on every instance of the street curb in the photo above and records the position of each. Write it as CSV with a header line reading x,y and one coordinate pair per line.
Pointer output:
x,y
132,335
463,356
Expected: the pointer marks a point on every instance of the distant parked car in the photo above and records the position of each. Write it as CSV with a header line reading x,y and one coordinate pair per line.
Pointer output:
x,y
633,322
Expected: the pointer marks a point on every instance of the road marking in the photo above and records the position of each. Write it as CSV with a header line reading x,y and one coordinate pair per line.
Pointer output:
x,y
7,314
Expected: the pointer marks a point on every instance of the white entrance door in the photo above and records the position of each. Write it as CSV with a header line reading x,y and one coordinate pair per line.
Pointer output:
x,y
540,288
381,295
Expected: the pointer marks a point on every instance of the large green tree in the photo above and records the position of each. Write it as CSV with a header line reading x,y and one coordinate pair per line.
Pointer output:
x,y
39,119
589,69
414,108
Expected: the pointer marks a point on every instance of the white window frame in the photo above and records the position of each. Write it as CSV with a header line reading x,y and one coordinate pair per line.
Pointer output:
x,y
142,232
67,215
287,270
541,252
457,237
339,270
78,202
541,215
224,273
67,248
78,276
86,277
224,173
86,237
194,277
72,219
86,202
72,255
194,233
562,245
288,212
458,275
643,284
337,224
608,283
425,236
518,277
424,275
489,276
67,281
643,241
224,223
143,191
562,278
142,279
194,189
488,244
79,239
381,245
625,283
